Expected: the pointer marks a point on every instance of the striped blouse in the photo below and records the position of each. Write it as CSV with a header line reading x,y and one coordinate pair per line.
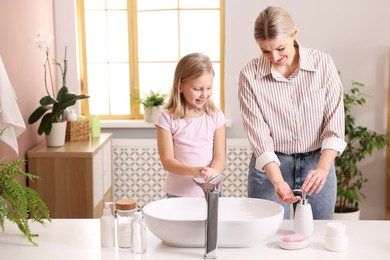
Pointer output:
x,y
299,114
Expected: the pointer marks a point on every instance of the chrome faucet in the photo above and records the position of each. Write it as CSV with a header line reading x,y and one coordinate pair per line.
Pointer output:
x,y
212,194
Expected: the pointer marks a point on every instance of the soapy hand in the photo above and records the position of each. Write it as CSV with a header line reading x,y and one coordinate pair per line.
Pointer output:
x,y
314,181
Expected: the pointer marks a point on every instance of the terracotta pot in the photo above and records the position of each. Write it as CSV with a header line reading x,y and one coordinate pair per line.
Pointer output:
x,y
56,137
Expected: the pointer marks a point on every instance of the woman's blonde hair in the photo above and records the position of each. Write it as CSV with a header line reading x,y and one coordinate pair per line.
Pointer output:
x,y
272,23
190,67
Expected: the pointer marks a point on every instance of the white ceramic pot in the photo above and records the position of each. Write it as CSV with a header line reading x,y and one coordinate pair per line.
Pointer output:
x,y
56,137
347,216
151,113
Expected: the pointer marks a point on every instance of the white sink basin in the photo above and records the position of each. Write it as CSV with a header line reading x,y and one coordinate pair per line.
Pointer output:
x,y
243,222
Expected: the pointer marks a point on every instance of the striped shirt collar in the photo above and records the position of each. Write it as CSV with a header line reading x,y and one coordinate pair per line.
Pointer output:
x,y
305,63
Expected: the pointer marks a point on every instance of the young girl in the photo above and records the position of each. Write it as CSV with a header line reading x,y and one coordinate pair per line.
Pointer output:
x,y
191,134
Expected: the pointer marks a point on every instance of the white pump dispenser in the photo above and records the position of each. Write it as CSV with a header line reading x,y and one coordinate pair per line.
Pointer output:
x,y
303,219
107,226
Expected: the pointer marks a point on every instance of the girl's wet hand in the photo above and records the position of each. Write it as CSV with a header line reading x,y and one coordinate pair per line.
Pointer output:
x,y
208,173
198,172
314,181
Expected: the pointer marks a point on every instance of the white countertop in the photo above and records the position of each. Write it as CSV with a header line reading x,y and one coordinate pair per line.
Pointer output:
x,y
80,239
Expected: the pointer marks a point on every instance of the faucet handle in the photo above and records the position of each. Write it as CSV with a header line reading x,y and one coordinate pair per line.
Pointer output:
x,y
217,179
210,185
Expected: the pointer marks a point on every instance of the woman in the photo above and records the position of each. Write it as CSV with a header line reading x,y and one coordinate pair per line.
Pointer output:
x,y
291,100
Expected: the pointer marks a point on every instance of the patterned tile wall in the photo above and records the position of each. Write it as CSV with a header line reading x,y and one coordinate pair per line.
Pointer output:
x,y
139,175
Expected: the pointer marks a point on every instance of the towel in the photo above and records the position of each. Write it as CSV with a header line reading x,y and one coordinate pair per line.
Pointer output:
x,y
11,119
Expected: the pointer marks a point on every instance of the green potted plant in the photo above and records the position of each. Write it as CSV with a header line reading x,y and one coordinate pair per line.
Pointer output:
x,y
19,203
361,143
152,102
52,105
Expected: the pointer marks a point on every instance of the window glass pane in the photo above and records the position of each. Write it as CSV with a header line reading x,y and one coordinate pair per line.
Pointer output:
x,y
116,4
163,38
156,77
216,97
98,89
94,4
119,89
96,36
199,3
156,4
157,36
200,35
117,36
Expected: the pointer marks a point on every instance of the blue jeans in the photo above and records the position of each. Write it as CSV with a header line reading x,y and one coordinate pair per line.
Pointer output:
x,y
294,168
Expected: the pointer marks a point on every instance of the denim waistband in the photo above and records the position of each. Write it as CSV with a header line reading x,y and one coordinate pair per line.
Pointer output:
x,y
300,154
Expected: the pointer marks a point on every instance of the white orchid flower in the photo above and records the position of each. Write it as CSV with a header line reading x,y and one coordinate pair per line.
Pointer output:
x,y
43,39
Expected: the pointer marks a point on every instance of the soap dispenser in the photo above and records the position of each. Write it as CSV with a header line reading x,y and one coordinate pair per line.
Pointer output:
x,y
303,219
107,226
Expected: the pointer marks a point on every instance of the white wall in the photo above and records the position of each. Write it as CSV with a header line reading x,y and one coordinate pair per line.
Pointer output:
x,y
354,33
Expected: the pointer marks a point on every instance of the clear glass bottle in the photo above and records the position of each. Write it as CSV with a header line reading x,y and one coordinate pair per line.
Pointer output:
x,y
125,211
138,234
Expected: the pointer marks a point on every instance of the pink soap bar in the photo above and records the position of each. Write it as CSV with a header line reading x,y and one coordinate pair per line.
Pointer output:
x,y
293,238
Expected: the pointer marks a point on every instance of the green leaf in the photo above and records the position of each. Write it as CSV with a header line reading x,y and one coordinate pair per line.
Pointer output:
x,y
38,113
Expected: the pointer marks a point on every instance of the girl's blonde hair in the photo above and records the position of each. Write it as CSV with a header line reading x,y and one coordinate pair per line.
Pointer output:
x,y
190,67
272,23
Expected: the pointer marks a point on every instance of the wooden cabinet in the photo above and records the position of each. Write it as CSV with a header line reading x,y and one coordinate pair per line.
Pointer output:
x,y
75,179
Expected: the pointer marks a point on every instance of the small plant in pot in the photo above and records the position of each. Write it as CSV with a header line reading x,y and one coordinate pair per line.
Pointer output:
x,y
53,104
152,102
361,143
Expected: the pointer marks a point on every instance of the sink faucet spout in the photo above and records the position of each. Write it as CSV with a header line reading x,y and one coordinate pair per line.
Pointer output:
x,y
212,195
212,225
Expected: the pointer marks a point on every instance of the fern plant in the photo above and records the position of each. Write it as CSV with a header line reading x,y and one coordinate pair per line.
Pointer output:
x,y
19,203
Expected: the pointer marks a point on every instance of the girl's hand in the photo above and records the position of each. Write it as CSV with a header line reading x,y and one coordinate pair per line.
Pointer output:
x,y
196,172
314,181
208,173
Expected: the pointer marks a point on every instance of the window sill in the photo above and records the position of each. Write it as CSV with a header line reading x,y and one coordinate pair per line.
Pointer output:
x,y
136,124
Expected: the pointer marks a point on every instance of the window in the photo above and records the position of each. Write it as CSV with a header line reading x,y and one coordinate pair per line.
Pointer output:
x,y
128,47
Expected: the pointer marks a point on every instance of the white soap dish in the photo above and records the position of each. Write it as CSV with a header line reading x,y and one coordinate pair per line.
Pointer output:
x,y
293,242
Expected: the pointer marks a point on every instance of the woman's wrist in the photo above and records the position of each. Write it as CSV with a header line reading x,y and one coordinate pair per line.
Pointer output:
x,y
273,172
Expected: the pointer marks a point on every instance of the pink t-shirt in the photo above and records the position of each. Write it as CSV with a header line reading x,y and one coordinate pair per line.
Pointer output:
x,y
193,142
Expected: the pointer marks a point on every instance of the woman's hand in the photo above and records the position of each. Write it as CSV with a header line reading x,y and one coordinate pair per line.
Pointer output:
x,y
284,193
315,181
